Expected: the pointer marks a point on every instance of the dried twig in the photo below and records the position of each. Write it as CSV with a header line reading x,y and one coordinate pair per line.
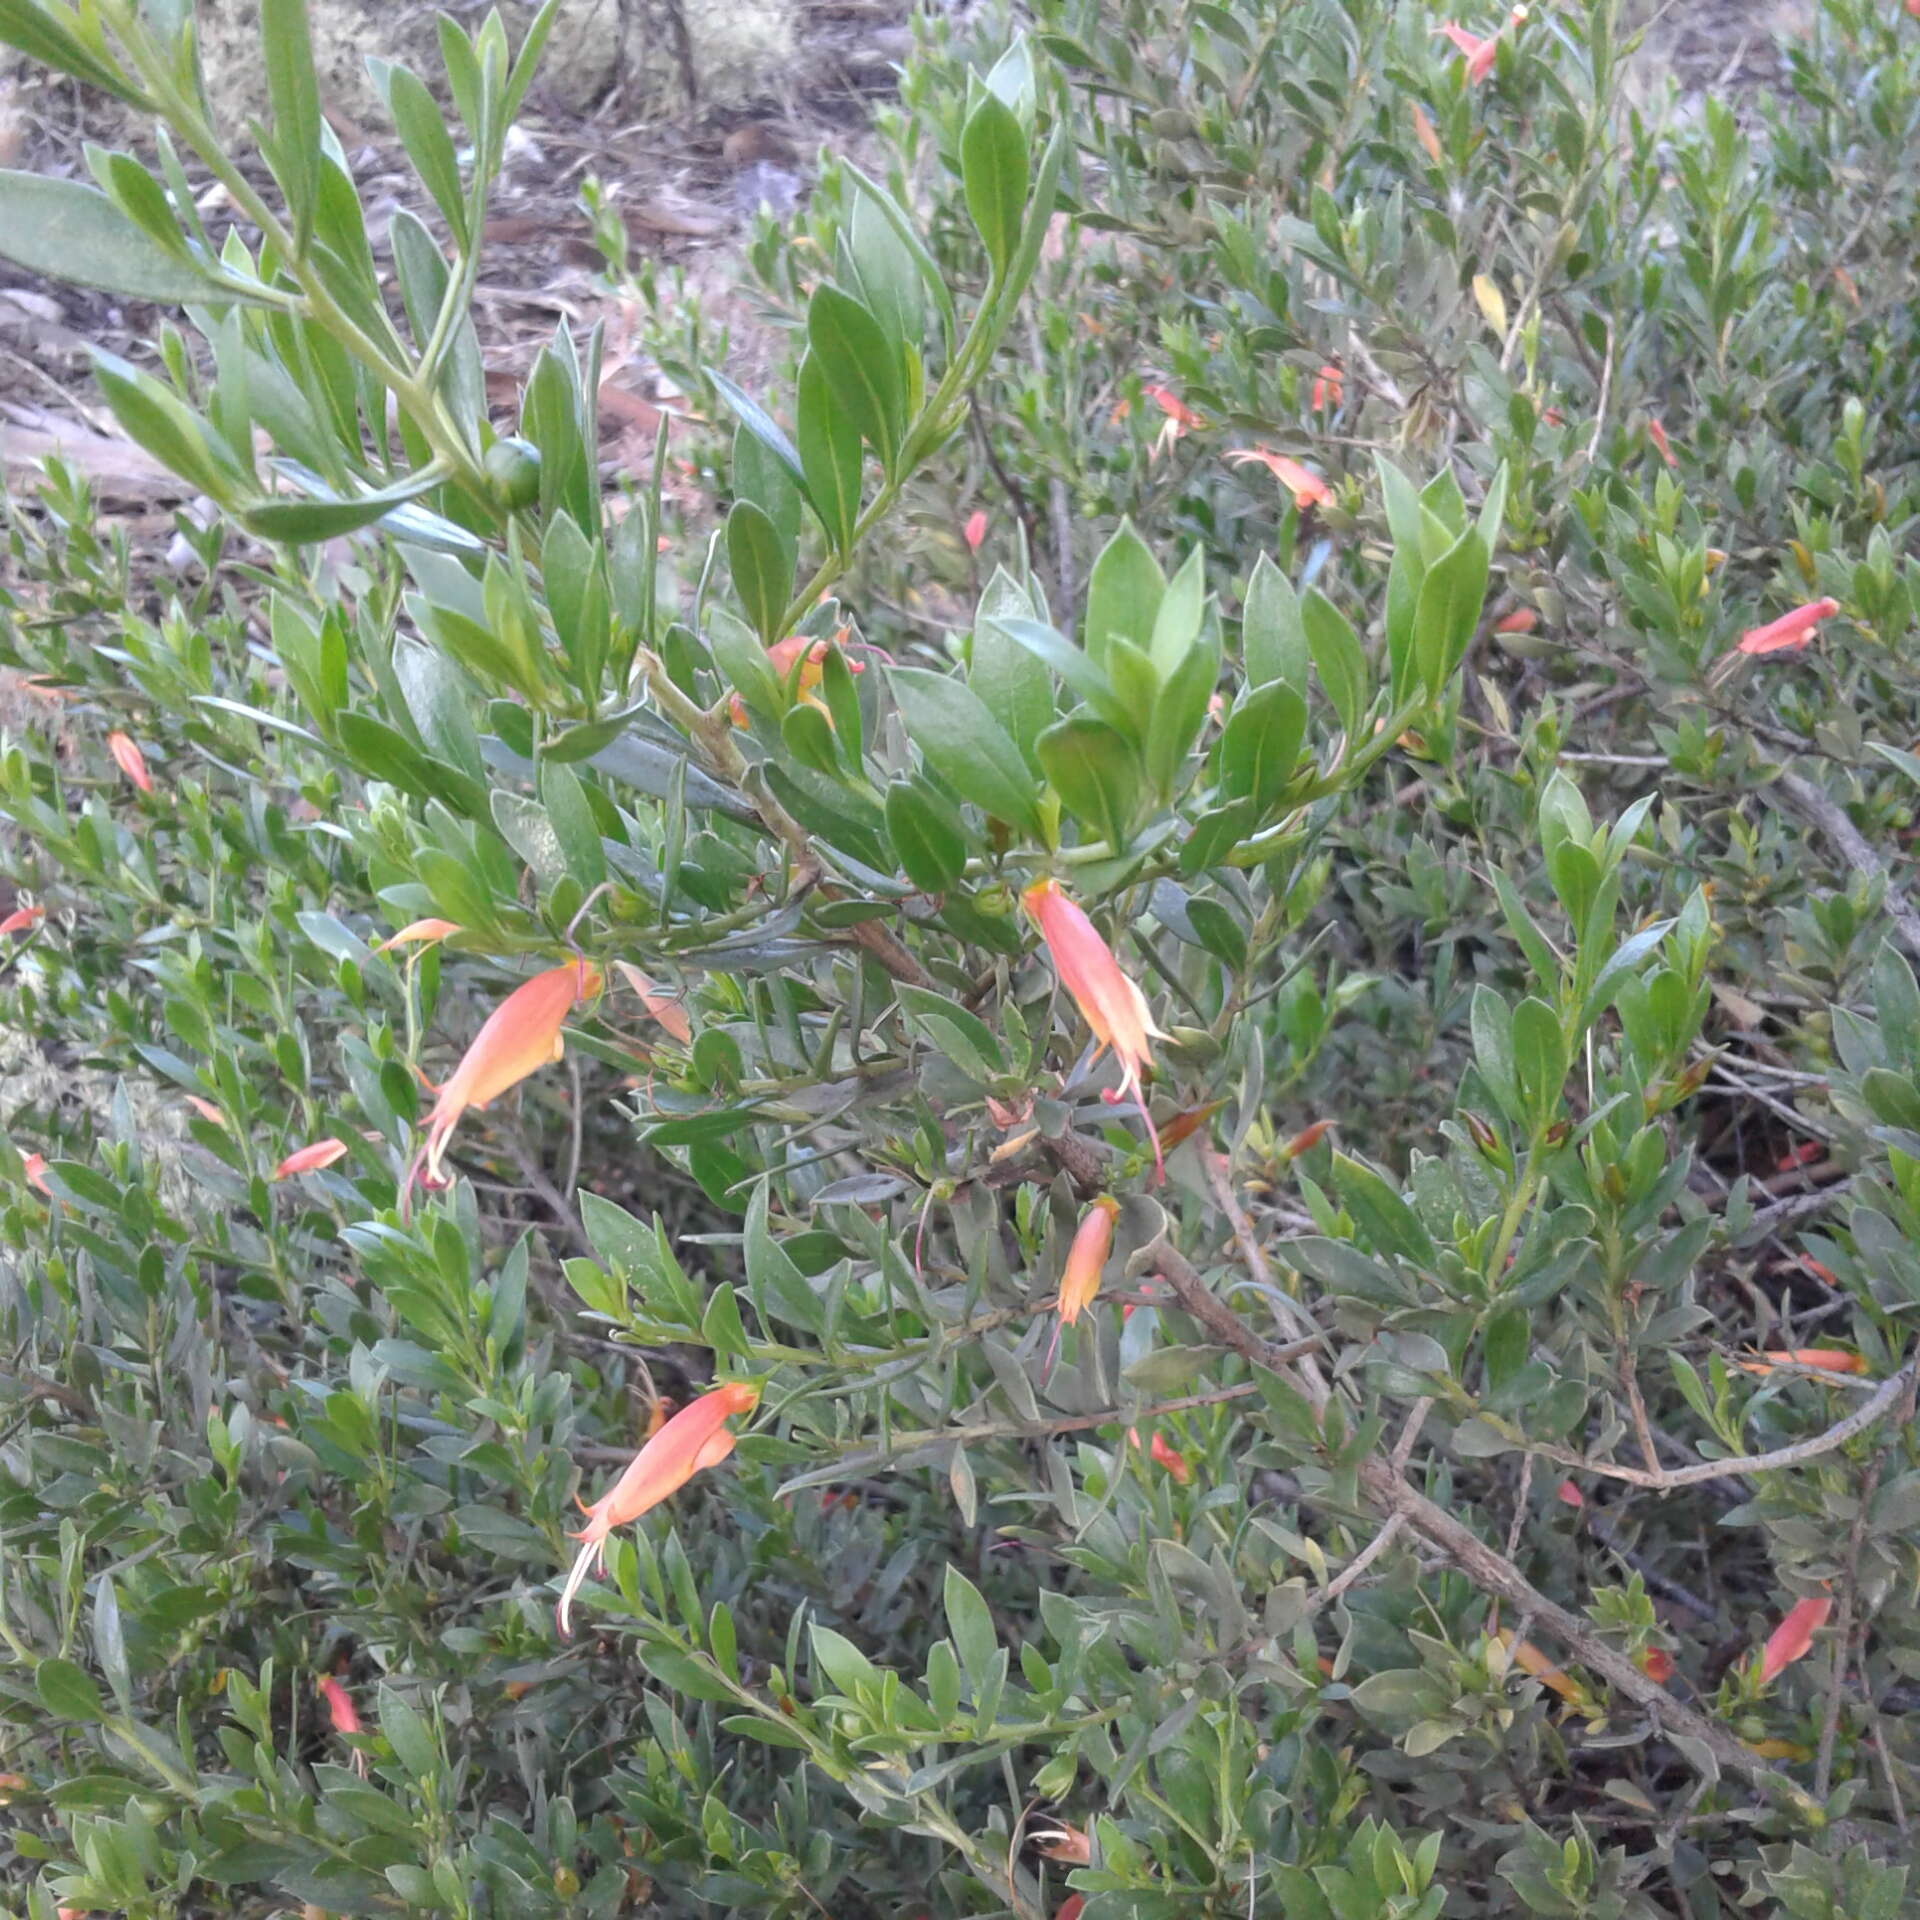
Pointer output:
x,y
1821,811
1736,1465
1492,1572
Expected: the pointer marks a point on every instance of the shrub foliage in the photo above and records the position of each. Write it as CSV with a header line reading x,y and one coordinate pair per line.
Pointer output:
x,y
1317,598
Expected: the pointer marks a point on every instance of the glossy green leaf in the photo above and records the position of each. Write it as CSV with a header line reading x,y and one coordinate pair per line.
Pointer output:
x,y
1337,659
1273,636
859,367
829,453
993,174
72,232
293,94
1097,774
964,743
928,838
762,566
1261,745
1124,591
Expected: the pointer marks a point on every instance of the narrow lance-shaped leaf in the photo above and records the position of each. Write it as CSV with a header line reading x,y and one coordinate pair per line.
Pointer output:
x,y
72,232
293,92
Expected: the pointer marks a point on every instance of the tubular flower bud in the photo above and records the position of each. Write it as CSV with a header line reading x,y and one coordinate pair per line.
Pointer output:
x,y
1792,1639
1791,631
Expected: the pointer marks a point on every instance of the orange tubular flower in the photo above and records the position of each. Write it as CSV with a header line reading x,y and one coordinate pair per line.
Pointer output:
x,y
1070,1845
1477,53
1163,1453
1109,1002
1530,1659
1086,1261
1087,1258
520,1035
1180,420
21,918
975,530
1657,1664
1664,447
34,1166
1307,488
343,1716
811,655
130,760
424,931
697,1436
1791,631
310,1159
1328,385
1070,1907
668,1011
1792,1639
1824,1359
1424,133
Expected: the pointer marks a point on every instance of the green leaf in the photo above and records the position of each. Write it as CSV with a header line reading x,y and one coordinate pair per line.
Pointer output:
x,y
299,523
1261,745
928,839
293,93
923,261
808,735
422,126
1337,658
829,452
1073,666
761,476
67,1692
1176,626
859,367
965,744
1273,638
1386,1222
762,568
993,173
44,39
159,421
762,426
1096,773
1176,715
1124,591
889,276
72,232
720,1325
970,1621
141,198
963,1037
1007,676
1448,611
574,826
1539,1060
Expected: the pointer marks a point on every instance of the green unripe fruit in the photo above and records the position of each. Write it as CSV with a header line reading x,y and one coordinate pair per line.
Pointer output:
x,y
513,473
